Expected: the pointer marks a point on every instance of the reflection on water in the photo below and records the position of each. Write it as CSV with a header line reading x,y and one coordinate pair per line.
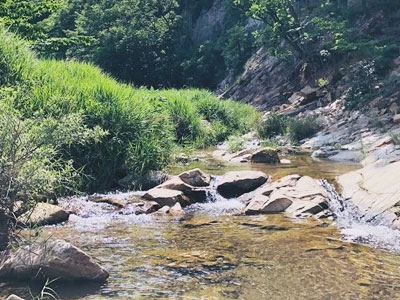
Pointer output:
x,y
301,164
211,253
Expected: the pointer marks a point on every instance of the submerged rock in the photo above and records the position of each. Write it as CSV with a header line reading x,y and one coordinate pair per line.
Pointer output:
x,y
119,203
296,195
43,214
236,183
53,259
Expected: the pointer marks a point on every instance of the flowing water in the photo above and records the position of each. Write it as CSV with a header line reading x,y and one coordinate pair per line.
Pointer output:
x,y
211,253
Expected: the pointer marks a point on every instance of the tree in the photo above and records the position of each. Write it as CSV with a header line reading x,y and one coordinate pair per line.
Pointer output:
x,y
132,39
28,17
282,19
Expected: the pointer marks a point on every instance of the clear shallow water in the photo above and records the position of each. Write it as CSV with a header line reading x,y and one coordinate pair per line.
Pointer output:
x,y
301,164
212,254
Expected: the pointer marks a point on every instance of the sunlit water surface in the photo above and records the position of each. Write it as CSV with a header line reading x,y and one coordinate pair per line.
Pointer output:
x,y
211,253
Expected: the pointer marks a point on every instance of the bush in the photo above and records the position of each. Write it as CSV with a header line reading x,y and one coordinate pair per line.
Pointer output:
x,y
235,144
299,129
274,125
295,129
363,81
32,165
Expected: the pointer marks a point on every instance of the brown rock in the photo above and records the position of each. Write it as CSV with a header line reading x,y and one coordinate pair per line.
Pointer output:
x,y
44,214
119,203
256,205
195,194
234,184
147,208
396,119
265,155
309,93
196,178
51,259
163,210
176,210
295,195
165,197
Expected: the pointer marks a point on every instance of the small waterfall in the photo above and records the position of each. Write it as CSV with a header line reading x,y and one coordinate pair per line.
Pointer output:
x,y
216,204
356,227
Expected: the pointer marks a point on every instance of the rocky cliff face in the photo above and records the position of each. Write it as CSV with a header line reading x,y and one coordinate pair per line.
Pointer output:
x,y
211,21
265,82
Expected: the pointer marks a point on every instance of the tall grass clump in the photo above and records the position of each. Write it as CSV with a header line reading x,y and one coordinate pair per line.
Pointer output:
x,y
16,60
143,126
139,132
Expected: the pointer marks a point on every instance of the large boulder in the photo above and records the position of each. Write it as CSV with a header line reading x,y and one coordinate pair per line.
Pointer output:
x,y
53,259
43,214
166,197
196,178
375,191
265,155
295,195
236,183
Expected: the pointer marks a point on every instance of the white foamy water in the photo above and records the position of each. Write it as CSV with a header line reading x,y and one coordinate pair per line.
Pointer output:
x,y
218,207
358,228
216,204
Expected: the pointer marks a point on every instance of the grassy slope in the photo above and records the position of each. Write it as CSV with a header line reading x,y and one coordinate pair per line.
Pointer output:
x,y
144,126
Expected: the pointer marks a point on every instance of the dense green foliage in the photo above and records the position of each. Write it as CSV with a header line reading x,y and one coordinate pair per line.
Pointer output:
x,y
154,42
280,125
143,126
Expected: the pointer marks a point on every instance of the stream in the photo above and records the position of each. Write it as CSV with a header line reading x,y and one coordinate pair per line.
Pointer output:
x,y
212,253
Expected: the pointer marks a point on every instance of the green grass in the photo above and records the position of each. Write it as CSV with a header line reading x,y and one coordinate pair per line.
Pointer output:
x,y
235,144
280,125
144,126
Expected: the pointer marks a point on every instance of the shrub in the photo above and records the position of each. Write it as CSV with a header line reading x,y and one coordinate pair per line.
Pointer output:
x,y
395,138
32,164
235,144
363,81
272,126
299,129
295,129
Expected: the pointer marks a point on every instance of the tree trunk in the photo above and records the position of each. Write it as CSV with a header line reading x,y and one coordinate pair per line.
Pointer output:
x,y
4,223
